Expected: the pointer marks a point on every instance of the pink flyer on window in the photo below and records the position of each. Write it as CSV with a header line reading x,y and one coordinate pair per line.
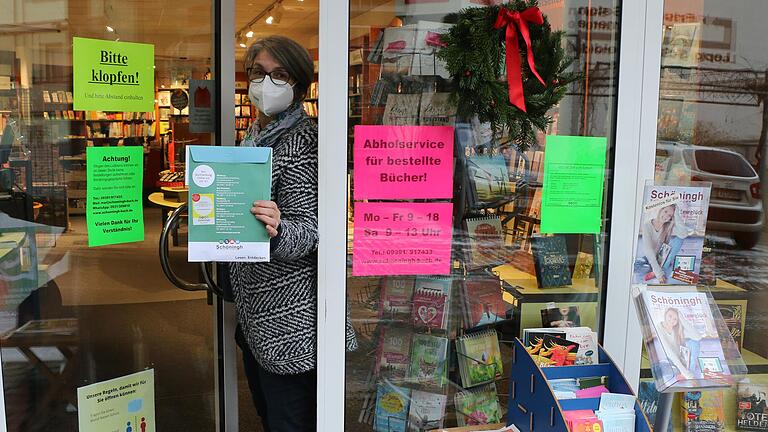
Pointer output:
x,y
403,162
402,239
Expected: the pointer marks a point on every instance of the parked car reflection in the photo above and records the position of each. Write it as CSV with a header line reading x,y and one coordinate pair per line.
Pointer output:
x,y
735,204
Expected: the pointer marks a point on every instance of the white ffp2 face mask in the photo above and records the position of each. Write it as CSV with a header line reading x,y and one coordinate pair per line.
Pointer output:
x,y
269,97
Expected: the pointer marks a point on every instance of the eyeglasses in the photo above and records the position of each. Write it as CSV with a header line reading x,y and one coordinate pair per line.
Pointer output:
x,y
278,76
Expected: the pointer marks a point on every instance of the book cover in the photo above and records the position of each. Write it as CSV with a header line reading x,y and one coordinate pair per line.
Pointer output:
x,y
566,316
671,236
648,397
583,267
401,109
395,296
752,410
398,48
393,352
436,109
703,411
428,41
479,358
478,406
429,355
586,352
391,408
427,411
486,247
685,348
483,302
550,259
431,303
558,351
489,180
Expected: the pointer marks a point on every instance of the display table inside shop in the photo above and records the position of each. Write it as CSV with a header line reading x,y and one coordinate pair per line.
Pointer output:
x,y
169,199
524,294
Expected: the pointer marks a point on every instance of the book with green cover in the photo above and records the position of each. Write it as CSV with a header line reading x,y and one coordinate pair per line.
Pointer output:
x,y
478,406
479,358
428,360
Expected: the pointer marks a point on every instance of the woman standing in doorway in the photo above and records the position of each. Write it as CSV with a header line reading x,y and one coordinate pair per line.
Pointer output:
x,y
277,301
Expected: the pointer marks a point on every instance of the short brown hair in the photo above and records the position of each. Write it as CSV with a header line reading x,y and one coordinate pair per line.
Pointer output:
x,y
292,56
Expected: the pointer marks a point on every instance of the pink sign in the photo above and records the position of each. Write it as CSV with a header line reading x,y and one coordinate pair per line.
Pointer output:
x,y
402,239
403,162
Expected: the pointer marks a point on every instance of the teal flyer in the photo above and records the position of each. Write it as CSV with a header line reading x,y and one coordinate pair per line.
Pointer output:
x,y
223,184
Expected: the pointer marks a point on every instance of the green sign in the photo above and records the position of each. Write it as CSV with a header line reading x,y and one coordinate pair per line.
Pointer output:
x,y
113,76
574,175
121,404
114,211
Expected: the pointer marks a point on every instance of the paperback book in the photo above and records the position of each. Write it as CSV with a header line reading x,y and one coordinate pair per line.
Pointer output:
x,y
752,410
685,349
567,316
583,267
703,411
479,358
391,408
393,352
648,397
395,297
586,352
671,237
431,303
488,180
427,411
550,259
429,358
483,302
478,406
486,246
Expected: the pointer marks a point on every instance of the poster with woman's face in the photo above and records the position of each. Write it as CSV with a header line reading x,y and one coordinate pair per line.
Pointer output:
x,y
671,235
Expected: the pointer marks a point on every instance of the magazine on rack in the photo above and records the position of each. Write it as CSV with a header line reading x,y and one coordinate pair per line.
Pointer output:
x,y
682,340
671,235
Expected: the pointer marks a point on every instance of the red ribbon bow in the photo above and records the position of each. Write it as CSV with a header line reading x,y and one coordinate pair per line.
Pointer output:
x,y
515,21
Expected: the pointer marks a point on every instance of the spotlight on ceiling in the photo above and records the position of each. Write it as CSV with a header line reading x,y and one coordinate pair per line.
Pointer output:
x,y
249,34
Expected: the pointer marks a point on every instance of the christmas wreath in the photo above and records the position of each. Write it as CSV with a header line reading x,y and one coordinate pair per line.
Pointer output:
x,y
516,102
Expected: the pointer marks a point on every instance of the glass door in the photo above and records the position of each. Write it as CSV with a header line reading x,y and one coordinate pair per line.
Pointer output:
x,y
462,228
97,102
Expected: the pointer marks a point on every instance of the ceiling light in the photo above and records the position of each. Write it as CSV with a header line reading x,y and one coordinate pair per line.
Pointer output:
x,y
110,29
279,12
269,19
162,85
249,34
242,45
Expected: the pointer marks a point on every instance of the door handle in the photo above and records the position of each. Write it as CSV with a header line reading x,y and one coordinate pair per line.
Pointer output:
x,y
171,224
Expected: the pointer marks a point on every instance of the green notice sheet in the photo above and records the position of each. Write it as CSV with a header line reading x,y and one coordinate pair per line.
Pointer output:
x,y
114,211
223,184
574,175
113,76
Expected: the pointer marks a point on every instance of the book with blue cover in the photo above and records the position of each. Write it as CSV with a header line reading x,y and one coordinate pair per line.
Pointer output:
x,y
550,260
391,408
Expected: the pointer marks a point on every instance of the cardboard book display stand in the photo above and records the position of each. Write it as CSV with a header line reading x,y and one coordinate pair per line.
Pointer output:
x,y
532,404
